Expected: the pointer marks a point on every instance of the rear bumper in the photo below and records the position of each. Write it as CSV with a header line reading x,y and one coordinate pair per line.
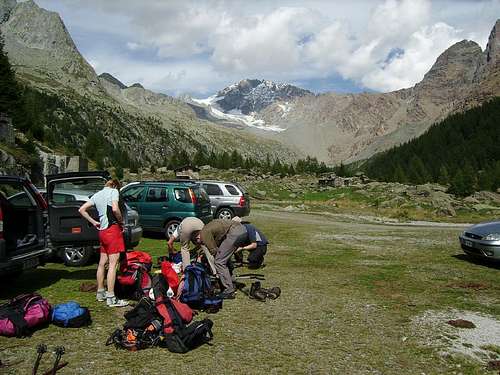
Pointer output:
x,y
23,261
479,248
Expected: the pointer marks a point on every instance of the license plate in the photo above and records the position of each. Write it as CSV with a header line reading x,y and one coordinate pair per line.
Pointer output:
x,y
31,263
468,243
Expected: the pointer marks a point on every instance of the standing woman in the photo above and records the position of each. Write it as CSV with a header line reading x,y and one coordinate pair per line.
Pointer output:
x,y
110,237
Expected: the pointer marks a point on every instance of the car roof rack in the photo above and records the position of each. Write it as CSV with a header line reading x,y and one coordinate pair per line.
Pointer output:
x,y
179,180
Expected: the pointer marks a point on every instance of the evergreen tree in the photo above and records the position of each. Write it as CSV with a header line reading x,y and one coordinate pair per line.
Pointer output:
x,y
10,96
444,177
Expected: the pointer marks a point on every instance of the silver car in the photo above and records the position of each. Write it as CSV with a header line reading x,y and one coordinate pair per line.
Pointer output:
x,y
482,240
228,199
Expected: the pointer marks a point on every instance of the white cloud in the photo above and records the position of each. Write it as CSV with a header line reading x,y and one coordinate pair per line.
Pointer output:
x,y
170,45
421,51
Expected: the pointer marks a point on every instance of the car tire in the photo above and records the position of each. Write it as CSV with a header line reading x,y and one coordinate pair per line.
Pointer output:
x,y
225,213
170,227
77,256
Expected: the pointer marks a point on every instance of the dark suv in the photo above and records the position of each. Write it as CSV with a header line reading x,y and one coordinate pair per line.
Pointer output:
x,y
163,204
33,228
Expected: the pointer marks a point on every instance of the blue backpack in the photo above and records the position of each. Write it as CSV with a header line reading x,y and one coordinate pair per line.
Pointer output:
x,y
71,314
197,291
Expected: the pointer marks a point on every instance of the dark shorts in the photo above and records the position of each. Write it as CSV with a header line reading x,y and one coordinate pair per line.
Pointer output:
x,y
111,240
256,257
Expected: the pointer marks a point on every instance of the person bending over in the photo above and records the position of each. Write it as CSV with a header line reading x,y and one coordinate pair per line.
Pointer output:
x,y
110,237
183,234
222,238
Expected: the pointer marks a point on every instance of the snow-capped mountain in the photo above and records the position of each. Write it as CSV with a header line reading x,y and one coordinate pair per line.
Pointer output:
x,y
253,95
240,103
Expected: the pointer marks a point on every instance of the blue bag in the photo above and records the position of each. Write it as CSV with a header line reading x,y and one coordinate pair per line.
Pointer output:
x,y
71,314
197,291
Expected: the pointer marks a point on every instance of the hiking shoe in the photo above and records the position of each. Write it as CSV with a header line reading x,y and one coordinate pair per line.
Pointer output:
x,y
115,302
272,293
227,295
100,296
255,286
259,295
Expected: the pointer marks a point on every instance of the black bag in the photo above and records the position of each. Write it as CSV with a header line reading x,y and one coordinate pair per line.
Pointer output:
x,y
142,315
186,337
189,337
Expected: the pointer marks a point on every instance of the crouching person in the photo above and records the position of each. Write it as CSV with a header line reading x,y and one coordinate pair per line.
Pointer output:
x,y
110,237
222,238
256,243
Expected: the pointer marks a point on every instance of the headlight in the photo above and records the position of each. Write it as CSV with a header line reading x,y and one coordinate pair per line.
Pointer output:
x,y
493,237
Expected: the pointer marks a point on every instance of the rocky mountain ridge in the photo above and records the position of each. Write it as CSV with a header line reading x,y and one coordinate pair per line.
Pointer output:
x,y
349,127
146,126
253,95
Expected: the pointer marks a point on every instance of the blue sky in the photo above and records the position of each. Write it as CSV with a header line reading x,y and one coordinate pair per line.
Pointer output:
x,y
199,47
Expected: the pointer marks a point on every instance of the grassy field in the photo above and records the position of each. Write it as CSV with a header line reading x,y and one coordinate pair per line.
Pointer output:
x,y
352,293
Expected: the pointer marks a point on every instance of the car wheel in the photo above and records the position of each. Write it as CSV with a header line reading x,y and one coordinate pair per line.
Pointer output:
x,y
225,213
77,256
170,227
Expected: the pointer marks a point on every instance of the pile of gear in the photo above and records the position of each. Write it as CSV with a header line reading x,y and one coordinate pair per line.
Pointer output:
x,y
159,319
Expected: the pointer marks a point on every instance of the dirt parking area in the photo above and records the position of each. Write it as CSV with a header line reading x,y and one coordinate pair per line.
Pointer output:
x,y
358,298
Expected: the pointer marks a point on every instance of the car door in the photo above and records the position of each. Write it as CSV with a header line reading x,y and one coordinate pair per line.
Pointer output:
x,y
216,195
155,207
22,218
67,226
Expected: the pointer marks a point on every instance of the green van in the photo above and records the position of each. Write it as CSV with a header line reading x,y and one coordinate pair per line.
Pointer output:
x,y
163,204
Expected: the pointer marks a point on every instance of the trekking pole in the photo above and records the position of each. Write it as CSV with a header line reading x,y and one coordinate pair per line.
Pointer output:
x,y
40,349
59,366
59,353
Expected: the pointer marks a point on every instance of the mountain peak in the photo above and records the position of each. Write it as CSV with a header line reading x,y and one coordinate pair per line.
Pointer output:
x,y
493,47
115,81
455,66
138,85
253,95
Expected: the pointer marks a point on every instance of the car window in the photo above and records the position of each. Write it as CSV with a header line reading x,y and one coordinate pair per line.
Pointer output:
x,y
212,189
133,194
17,195
63,198
157,194
182,195
83,187
232,190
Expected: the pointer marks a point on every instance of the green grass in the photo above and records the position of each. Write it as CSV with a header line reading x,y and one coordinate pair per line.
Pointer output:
x,y
350,292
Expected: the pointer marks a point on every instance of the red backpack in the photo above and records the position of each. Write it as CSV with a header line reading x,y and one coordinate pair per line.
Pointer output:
x,y
170,275
134,280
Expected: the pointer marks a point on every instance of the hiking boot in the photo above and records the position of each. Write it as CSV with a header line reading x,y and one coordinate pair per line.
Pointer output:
x,y
255,286
259,295
227,295
272,293
100,296
115,302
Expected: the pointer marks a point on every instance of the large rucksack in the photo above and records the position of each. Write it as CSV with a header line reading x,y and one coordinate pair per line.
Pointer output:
x,y
20,315
134,280
198,291
141,330
71,315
